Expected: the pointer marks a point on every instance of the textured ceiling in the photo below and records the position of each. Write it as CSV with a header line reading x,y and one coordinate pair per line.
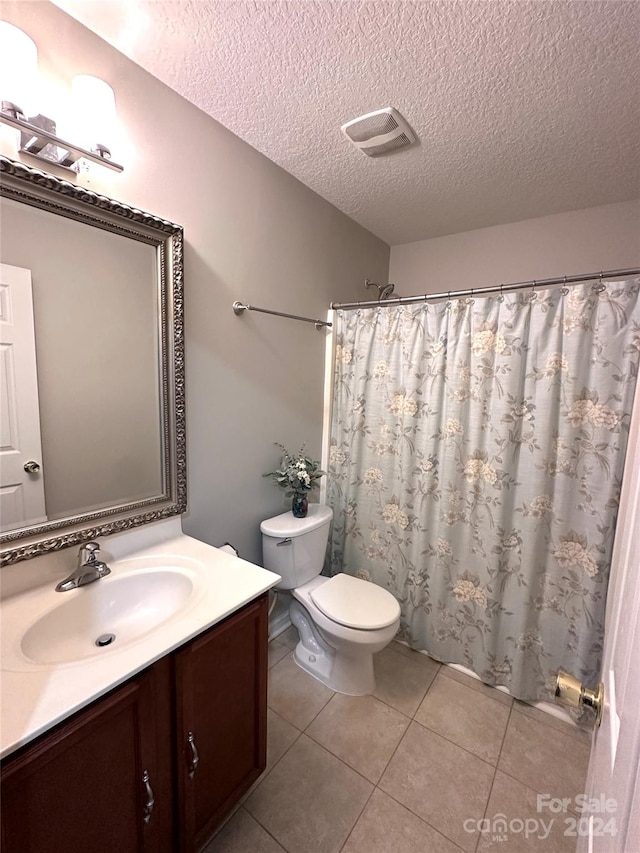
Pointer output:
x,y
522,108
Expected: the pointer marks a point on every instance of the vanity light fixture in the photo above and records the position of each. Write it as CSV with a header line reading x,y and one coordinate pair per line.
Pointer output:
x,y
94,104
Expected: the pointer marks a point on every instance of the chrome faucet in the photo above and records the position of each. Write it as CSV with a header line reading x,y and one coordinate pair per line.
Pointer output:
x,y
88,570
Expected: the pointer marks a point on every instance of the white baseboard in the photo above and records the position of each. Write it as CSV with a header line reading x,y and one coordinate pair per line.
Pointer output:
x,y
547,707
278,624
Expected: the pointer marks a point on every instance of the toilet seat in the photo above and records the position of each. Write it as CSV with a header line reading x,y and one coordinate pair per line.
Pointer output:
x,y
355,603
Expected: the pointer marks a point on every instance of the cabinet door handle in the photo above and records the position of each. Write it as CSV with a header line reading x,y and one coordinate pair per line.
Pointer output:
x,y
195,758
148,806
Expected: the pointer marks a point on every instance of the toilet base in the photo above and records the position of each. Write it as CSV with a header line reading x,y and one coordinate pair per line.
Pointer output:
x,y
354,680
342,671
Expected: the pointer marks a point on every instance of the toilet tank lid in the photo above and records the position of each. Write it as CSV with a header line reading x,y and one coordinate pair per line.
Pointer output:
x,y
287,525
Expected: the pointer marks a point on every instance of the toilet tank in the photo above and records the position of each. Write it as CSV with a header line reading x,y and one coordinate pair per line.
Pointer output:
x,y
294,547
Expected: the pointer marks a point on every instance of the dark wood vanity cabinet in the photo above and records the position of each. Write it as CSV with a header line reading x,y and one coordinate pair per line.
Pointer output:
x,y
189,734
81,786
221,702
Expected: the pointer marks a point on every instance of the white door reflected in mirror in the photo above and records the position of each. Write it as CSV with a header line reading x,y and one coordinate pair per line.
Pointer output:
x,y
21,478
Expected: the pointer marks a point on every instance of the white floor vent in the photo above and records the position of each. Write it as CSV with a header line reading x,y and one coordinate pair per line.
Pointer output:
x,y
379,132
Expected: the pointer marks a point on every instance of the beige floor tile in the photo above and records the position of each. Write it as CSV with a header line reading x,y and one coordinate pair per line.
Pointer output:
x,y
277,651
418,657
528,830
580,733
289,638
464,716
361,730
387,827
440,782
240,834
400,681
542,758
280,736
294,694
475,684
311,800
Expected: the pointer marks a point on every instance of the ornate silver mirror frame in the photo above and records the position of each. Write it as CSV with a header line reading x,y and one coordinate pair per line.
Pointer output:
x,y
38,189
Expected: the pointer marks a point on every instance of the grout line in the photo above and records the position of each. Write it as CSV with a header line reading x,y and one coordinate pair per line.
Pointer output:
x,y
495,773
376,785
455,743
409,718
271,666
355,823
304,730
229,817
282,717
426,692
529,787
288,654
430,825
570,731
404,734
341,760
270,834
267,771
348,766
426,658
396,709
446,672
355,769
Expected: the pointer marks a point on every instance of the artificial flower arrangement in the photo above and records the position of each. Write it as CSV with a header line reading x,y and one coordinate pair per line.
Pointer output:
x,y
298,474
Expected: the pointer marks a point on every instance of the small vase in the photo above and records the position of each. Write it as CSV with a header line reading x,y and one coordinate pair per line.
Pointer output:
x,y
300,505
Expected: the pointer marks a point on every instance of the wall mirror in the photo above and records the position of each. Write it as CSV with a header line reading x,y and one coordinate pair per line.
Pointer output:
x,y
92,431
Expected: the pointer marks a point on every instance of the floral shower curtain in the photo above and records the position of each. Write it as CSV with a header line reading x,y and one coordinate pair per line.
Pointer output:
x,y
476,461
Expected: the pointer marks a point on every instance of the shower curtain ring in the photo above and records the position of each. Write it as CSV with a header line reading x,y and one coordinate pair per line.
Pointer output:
x,y
533,295
565,289
448,305
500,297
472,301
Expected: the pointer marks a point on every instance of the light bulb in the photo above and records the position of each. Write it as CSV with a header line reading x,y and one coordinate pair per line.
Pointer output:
x,y
18,69
94,109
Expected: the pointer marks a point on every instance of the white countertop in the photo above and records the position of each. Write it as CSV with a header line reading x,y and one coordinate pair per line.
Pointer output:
x,y
36,696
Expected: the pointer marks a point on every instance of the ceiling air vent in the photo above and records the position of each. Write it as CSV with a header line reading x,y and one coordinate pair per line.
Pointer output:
x,y
379,132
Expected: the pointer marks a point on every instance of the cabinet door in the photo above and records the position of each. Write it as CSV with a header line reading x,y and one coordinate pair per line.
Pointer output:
x,y
221,719
80,788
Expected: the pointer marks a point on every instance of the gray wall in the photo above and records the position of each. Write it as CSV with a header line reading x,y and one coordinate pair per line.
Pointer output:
x,y
252,233
581,241
96,328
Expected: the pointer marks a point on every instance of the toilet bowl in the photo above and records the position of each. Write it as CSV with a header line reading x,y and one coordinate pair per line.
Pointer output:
x,y
342,621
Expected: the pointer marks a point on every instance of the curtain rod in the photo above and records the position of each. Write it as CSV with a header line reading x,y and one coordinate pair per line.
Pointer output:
x,y
240,308
517,285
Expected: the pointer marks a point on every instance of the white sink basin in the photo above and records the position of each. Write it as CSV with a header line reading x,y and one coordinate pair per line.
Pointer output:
x,y
127,607
144,595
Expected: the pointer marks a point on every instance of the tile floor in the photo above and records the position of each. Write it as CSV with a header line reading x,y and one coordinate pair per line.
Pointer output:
x,y
403,770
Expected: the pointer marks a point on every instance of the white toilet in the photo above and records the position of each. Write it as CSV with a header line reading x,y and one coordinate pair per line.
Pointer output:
x,y
342,621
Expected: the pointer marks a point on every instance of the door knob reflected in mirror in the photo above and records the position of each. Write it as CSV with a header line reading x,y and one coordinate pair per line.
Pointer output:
x,y
572,693
31,467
